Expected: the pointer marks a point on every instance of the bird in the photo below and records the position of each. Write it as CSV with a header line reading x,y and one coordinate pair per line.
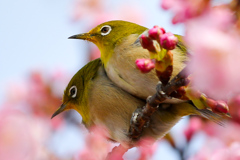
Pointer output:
x,y
119,44
101,102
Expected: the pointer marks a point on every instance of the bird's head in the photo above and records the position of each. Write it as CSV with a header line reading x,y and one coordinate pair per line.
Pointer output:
x,y
110,34
76,93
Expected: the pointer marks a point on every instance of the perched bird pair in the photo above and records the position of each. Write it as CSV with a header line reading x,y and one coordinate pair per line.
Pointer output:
x,y
107,91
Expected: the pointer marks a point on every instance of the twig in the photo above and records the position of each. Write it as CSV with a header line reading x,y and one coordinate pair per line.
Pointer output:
x,y
141,116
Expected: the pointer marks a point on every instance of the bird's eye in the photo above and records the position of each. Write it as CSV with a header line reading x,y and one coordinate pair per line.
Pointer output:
x,y
73,91
105,30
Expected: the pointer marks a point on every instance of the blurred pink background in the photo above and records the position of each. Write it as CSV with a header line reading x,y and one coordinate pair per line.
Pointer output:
x,y
37,61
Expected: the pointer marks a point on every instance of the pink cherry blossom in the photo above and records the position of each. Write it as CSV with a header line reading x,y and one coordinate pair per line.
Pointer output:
x,y
97,146
194,126
41,99
231,152
214,43
234,108
185,9
147,148
22,136
117,153
222,142
215,150
87,7
207,150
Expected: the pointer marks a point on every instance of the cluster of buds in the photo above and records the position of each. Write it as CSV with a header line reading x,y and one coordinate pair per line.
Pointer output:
x,y
158,43
166,40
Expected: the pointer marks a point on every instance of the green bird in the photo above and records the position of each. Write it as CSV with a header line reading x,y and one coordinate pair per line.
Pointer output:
x,y
101,102
118,42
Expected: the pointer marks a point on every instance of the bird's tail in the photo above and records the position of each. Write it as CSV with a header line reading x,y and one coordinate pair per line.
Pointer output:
x,y
215,117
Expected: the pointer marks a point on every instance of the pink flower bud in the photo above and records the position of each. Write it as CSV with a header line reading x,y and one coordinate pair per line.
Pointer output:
x,y
145,65
221,107
168,41
155,32
147,43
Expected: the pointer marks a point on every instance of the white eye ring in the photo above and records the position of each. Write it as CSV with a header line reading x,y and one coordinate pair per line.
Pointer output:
x,y
73,91
105,30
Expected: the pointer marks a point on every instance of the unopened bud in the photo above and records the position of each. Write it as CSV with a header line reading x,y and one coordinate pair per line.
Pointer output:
x,y
155,32
221,107
145,65
168,41
147,43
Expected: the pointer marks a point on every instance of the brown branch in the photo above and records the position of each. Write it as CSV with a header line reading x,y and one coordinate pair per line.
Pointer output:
x,y
141,116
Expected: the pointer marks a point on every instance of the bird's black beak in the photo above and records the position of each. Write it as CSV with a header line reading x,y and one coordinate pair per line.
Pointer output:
x,y
59,110
84,36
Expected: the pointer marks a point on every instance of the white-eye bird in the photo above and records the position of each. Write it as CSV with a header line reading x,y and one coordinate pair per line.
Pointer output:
x,y
118,42
101,102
